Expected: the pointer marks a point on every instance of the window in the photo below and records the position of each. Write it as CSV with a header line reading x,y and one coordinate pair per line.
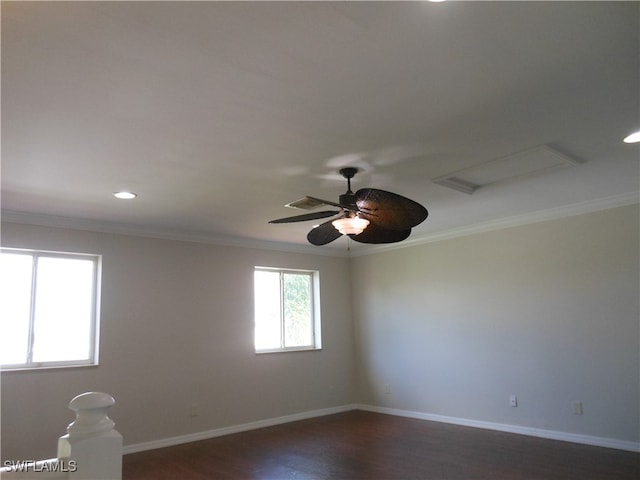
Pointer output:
x,y
48,309
287,315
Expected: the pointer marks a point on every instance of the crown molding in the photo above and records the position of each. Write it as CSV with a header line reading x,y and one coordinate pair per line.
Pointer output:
x,y
555,213
589,206
83,224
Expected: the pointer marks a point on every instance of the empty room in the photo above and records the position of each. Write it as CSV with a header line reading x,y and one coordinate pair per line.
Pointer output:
x,y
280,240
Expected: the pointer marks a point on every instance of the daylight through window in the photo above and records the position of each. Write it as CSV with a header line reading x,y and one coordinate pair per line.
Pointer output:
x,y
48,309
286,313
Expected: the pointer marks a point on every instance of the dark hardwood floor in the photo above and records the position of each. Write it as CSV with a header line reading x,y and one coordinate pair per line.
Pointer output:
x,y
365,445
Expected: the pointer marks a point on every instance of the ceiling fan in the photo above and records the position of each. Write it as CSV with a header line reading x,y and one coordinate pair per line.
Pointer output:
x,y
367,216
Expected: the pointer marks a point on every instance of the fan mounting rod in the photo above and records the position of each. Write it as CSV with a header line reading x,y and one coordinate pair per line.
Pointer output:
x,y
348,173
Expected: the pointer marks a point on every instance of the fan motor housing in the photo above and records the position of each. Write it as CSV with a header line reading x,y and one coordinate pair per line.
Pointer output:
x,y
348,199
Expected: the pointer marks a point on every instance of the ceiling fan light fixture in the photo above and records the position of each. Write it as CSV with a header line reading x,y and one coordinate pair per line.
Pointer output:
x,y
350,225
392,215
633,138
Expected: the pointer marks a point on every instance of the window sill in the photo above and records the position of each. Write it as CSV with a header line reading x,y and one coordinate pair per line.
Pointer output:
x,y
288,350
23,368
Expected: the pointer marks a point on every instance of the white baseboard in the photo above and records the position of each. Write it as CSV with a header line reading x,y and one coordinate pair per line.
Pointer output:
x,y
521,430
218,432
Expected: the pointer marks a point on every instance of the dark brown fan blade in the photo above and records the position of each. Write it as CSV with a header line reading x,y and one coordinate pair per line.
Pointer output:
x,y
389,210
306,216
328,202
323,234
377,234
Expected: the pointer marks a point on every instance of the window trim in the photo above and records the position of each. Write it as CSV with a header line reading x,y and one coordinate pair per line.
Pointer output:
x,y
94,330
315,311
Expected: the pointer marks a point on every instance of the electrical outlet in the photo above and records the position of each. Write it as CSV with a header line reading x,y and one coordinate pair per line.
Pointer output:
x,y
577,407
194,410
513,400
387,388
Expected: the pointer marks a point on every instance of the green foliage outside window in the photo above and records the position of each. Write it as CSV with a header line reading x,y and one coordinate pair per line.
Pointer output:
x,y
285,314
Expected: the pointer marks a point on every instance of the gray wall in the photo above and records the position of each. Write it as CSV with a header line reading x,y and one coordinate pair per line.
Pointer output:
x,y
177,329
547,311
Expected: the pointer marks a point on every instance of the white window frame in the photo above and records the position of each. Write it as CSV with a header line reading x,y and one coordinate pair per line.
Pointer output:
x,y
94,332
316,343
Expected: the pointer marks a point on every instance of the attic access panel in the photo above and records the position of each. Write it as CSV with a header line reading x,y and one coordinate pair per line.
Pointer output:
x,y
468,180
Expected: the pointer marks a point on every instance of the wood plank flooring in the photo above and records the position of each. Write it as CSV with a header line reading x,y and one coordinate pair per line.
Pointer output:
x,y
371,446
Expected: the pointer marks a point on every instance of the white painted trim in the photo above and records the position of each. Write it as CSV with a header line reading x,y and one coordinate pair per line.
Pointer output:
x,y
269,422
589,206
218,432
556,213
518,429
83,224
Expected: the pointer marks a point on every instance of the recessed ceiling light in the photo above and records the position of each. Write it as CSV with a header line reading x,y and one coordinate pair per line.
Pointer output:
x,y
125,195
633,138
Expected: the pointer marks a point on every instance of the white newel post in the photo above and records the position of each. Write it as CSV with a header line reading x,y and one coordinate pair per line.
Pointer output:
x,y
91,447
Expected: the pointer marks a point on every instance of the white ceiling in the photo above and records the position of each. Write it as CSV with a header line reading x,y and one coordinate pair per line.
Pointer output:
x,y
218,114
